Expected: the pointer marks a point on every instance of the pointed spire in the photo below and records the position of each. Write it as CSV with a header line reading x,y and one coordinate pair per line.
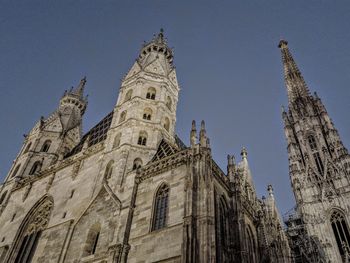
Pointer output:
x,y
296,86
80,88
270,190
203,135
159,39
244,153
193,135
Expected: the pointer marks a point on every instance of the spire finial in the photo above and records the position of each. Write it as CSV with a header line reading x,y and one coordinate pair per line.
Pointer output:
x,y
193,134
296,86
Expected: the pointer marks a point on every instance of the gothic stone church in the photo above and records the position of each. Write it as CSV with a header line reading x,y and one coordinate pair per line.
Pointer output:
x,y
130,190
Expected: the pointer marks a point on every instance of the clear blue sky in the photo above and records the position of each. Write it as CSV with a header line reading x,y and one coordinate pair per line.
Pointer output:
x,y
227,60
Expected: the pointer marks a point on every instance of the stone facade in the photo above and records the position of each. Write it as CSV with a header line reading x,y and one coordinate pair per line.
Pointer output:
x,y
319,168
130,190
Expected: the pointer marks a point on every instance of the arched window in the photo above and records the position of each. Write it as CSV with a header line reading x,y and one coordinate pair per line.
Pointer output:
x,y
27,147
142,138
109,170
92,240
3,197
137,164
46,146
250,244
160,211
116,142
147,114
128,95
222,229
35,168
122,116
168,102
315,154
151,93
27,240
341,232
16,170
166,124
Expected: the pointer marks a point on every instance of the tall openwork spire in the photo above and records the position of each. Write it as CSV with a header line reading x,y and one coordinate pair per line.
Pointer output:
x,y
296,86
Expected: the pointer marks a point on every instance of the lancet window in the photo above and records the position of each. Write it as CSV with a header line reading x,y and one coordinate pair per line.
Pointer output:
x,y
35,168
315,154
160,212
142,140
147,114
34,224
137,164
92,240
341,232
128,95
46,146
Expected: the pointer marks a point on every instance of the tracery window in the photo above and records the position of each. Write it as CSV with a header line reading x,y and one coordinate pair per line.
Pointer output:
x,y
160,211
151,93
147,114
122,117
142,140
315,154
46,146
341,232
35,222
128,95
35,168
137,164
92,240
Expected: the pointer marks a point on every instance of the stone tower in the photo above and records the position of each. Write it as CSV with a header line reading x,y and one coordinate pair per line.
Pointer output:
x,y
51,138
319,167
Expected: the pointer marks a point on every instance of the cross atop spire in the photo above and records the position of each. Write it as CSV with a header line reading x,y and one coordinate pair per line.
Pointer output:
x,y
296,86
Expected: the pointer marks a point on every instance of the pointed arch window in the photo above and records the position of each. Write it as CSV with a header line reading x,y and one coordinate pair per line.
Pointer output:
x,y
315,154
168,102
222,230
137,164
16,170
151,93
116,141
92,240
147,114
142,140
167,123
46,146
340,231
122,116
250,244
27,240
35,168
109,170
27,147
128,95
160,211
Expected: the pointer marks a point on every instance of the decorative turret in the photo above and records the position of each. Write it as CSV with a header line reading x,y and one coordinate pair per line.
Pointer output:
x,y
203,140
193,134
231,167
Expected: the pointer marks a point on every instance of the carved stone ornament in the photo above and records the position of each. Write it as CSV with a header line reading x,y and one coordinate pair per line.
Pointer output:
x,y
40,219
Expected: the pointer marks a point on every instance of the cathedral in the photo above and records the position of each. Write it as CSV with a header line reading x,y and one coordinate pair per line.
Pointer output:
x,y
130,190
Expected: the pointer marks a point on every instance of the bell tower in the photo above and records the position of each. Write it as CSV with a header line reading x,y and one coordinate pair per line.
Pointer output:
x,y
145,112
319,165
